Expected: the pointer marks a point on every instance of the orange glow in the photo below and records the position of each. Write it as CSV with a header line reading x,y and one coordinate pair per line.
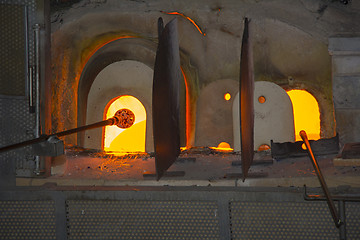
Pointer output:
x,y
187,111
306,114
227,96
264,147
100,45
86,54
262,99
91,50
303,146
131,139
192,21
223,146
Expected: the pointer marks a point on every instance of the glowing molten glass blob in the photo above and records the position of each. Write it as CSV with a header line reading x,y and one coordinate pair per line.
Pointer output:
x,y
227,96
264,147
130,139
306,114
223,146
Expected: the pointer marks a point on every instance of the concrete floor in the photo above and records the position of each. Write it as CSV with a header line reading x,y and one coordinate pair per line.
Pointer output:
x,y
202,167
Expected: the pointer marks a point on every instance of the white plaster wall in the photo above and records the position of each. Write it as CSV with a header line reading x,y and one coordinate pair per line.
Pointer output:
x,y
273,119
117,79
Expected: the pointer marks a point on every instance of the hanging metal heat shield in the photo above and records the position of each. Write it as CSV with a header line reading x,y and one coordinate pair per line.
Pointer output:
x,y
166,103
246,102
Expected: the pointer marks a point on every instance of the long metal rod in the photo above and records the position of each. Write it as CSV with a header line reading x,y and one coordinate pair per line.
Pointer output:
x,y
329,200
28,69
37,92
37,80
110,121
31,90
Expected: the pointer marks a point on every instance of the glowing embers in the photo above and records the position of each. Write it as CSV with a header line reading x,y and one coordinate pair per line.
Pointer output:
x,y
131,138
306,114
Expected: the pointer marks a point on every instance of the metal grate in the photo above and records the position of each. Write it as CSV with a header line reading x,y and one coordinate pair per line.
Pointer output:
x,y
31,6
16,123
12,50
27,220
142,220
352,220
281,220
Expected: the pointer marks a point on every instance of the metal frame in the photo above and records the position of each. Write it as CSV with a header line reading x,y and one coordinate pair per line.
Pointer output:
x,y
222,195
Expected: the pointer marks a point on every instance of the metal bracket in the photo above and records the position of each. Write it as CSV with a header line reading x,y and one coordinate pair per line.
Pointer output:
x,y
53,147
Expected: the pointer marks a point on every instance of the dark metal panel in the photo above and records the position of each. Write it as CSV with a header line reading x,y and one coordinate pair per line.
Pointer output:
x,y
252,213
246,101
17,120
352,220
13,61
17,125
167,76
281,220
142,219
27,220
294,149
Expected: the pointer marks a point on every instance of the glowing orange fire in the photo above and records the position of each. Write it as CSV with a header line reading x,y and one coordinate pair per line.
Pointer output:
x,y
188,113
189,19
306,114
131,139
97,45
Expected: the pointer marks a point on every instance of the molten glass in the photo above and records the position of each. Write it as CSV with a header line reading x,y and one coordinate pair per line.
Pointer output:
x,y
264,147
131,138
227,96
126,118
306,114
223,147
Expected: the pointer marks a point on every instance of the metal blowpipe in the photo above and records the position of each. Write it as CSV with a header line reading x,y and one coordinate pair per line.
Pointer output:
x,y
111,121
329,199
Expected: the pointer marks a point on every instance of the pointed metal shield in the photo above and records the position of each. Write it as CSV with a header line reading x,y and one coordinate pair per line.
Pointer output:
x,y
246,102
166,103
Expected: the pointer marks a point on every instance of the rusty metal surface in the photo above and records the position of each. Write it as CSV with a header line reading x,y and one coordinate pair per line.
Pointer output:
x,y
351,151
322,146
246,102
165,105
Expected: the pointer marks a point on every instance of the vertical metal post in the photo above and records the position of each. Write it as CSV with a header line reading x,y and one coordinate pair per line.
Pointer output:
x,y
37,79
37,89
28,69
60,215
342,219
31,104
223,212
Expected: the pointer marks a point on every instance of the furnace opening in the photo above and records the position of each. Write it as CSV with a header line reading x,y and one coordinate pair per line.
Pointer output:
x,y
306,114
132,137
